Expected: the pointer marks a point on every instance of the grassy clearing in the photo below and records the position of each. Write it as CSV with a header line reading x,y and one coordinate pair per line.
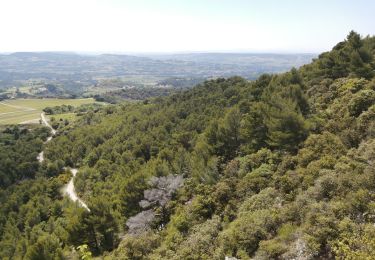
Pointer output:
x,y
21,110
68,116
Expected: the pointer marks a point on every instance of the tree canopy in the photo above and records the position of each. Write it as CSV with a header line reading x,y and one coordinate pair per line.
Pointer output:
x,y
277,168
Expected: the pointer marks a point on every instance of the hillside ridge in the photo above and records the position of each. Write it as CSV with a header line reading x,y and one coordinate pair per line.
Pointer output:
x,y
276,168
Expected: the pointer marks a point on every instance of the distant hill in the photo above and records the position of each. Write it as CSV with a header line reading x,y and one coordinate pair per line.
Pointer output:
x,y
75,72
273,60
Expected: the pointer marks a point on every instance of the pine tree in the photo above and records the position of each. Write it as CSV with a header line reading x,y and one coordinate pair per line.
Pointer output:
x,y
254,129
286,126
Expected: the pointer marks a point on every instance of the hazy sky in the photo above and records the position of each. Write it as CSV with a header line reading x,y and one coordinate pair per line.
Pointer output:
x,y
181,25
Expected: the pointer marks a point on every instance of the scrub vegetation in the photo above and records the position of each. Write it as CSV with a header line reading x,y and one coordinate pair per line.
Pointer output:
x,y
277,168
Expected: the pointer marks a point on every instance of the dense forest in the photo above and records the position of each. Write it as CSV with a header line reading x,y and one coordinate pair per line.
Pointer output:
x,y
277,168
139,93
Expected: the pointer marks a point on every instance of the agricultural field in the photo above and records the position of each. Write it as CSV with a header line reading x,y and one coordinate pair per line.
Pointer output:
x,y
22,111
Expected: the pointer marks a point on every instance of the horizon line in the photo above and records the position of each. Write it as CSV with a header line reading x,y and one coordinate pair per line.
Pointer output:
x,y
135,53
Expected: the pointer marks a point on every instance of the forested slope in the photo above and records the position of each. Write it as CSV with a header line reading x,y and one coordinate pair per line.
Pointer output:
x,y
277,168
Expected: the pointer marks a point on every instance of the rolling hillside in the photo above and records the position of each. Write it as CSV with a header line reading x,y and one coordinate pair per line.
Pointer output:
x,y
281,167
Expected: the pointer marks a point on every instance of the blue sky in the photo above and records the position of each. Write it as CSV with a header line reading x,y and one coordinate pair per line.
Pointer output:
x,y
181,26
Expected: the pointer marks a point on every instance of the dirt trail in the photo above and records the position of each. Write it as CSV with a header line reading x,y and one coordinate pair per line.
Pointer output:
x,y
69,189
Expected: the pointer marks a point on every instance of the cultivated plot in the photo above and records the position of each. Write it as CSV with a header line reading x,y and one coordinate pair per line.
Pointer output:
x,y
28,110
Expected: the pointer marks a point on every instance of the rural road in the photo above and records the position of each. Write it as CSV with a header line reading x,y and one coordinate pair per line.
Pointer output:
x,y
69,189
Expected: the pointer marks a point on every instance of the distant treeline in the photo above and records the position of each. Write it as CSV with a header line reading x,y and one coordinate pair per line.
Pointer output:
x,y
71,109
117,96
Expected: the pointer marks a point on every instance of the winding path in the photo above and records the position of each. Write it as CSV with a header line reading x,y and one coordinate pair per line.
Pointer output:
x,y
69,189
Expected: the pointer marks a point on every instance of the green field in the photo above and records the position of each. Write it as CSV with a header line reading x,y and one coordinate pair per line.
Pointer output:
x,y
68,116
18,111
